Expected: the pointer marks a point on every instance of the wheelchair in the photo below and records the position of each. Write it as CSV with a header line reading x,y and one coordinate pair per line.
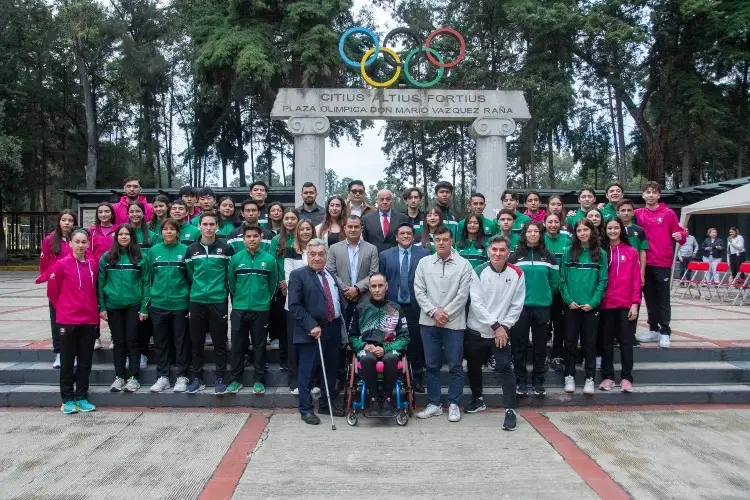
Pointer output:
x,y
356,392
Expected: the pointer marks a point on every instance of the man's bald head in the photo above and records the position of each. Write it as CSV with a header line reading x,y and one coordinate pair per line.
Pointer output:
x,y
385,200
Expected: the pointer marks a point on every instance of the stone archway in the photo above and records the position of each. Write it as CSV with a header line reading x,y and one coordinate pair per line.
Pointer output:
x,y
494,114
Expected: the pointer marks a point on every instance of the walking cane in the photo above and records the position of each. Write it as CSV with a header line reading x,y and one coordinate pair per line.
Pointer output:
x,y
325,380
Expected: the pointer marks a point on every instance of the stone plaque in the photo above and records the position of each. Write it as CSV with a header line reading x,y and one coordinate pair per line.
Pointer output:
x,y
401,104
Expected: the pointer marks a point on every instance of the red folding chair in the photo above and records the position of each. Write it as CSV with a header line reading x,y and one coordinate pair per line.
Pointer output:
x,y
722,279
742,286
697,272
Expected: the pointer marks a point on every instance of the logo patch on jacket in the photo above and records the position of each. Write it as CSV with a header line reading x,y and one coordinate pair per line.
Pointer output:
x,y
659,219
180,257
622,258
218,251
263,265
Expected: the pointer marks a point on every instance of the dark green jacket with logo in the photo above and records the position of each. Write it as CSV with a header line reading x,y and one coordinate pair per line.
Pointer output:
x,y
252,280
170,285
521,219
489,227
540,274
475,255
208,270
189,234
584,281
123,285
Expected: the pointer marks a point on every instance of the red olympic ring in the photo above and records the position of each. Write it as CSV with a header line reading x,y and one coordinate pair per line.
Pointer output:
x,y
457,36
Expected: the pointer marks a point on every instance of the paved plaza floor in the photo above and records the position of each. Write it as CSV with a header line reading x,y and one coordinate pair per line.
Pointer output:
x,y
679,452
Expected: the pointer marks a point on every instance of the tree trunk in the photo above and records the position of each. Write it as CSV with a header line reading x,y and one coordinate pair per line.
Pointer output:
x,y
550,162
240,156
89,103
148,136
614,130
169,132
623,176
413,144
686,162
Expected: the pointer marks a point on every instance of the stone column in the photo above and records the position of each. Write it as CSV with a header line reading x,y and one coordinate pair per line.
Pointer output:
x,y
492,159
310,134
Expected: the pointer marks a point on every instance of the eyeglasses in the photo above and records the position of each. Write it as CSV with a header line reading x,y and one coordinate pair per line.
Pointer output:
x,y
357,191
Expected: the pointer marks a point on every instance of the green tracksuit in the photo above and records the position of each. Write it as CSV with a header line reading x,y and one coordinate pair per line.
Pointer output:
x,y
383,325
489,226
557,245
514,238
225,227
123,285
208,272
236,239
541,275
608,212
584,281
189,234
280,258
252,280
571,220
521,219
476,256
170,285
637,237
152,240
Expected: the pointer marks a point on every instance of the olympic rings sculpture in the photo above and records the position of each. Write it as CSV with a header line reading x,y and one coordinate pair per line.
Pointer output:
x,y
371,55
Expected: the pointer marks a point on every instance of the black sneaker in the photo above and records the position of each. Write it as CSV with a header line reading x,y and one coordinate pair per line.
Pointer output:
x,y
522,390
539,390
509,424
636,343
386,409
476,405
557,364
337,411
374,407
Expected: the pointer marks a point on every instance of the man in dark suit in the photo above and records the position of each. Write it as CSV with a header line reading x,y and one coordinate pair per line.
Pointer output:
x,y
315,302
398,264
379,227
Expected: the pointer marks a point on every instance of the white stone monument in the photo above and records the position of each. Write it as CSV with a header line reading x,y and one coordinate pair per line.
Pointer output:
x,y
494,114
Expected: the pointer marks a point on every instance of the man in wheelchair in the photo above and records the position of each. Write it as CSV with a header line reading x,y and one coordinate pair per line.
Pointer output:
x,y
379,333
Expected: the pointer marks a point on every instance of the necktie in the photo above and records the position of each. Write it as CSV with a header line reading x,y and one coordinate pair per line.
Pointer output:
x,y
386,225
329,297
404,297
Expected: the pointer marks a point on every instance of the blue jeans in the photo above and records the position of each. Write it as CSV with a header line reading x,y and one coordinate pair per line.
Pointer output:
x,y
436,340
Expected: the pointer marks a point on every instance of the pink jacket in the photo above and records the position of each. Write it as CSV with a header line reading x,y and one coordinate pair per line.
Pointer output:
x,y
539,217
659,224
47,259
100,240
72,291
121,210
624,278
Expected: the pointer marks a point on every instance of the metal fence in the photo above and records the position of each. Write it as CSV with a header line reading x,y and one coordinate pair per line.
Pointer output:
x,y
24,232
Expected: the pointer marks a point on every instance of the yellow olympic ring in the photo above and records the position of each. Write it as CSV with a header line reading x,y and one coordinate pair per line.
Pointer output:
x,y
386,83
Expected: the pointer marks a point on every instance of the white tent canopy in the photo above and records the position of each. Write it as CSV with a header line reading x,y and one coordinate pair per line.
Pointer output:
x,y
736,201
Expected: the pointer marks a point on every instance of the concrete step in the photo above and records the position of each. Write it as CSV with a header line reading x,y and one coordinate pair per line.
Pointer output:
x,y
695,372
649,353
49,396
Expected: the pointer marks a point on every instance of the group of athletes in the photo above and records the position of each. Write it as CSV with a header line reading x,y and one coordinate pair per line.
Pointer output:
x,y
162,275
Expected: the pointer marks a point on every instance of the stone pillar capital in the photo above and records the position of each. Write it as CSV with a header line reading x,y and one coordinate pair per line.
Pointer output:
x,y
309,125
488,127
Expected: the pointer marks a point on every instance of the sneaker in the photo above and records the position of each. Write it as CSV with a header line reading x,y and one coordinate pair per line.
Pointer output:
x,y
118,385
84,406
607,384
234,388
97,344
665,341
315,392
295,391
195,385
275,344
570,384
539,390
491,362
56,362
649,336
374,408
144,362
598,362
430,411
259,388
387,409
220,387
588,386
509,424
454,413
476,405
162,384
181,384
69,407
636,343
132,385
209,340
626,386
522,390
557,364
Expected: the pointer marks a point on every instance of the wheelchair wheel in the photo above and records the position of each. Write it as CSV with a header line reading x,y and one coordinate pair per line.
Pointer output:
x,y
351,418
402,418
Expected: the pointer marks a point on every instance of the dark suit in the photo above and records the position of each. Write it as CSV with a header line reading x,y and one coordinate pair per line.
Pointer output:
x,y
372,229
308,308
391,269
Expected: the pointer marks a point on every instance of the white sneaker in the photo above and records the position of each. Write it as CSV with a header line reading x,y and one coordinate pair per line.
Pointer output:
x,y
97,344
144,362
118,385
431,411
275,344
570,384
162,384
588,386
454,413
295,391
209,340
181,384
315,392
132,385
56,362
665,341
649,336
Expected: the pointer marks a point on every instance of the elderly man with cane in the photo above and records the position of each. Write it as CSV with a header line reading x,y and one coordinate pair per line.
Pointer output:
x,y
315,305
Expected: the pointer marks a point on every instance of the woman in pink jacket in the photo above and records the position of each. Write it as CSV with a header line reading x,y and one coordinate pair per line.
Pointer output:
x,y
620,305
55,247
72,291
102,232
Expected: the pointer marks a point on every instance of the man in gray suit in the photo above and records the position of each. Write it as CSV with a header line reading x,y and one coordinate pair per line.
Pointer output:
x,y
379,227
351,262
